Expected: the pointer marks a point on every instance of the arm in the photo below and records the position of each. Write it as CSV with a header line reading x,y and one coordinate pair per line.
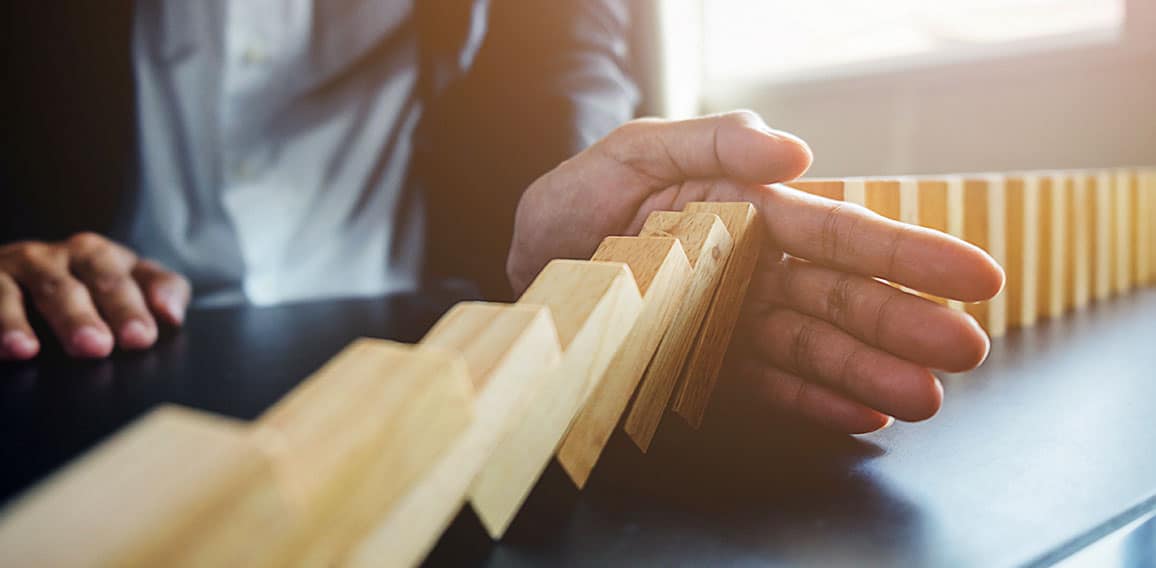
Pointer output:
x,y
548,80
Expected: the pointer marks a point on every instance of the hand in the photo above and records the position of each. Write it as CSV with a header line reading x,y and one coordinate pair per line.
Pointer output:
x,y
85,288
819,336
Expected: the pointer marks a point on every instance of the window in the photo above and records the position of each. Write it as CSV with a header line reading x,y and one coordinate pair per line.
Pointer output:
x,y
781,40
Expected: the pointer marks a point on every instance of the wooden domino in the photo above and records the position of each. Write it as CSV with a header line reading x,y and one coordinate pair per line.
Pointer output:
x,y
984,220
508,350
702,368
350,439
1052,239
707,245
594,306
176,488
1101,233
662,272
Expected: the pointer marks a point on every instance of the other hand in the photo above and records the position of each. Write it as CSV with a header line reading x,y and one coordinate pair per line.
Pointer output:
x,y
819,335
93,293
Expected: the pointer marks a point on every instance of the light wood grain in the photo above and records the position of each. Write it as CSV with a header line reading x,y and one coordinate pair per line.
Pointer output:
x,y
1102,234
356,434
1080,213
594,306
829,188
1145,197
985,223
508,350
1123,207
708,245
706,357
662,272
176,488
1022,202
1053,239
883,197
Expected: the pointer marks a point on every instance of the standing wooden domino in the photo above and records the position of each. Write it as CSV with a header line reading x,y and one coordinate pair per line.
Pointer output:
x,y
594,305
508,350
662,272
1102,233
984,219
708,245
702,369
1022,203
1052,257
1123,208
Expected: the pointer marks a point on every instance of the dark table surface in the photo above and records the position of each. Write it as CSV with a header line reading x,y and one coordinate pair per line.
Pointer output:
x,y
1048,448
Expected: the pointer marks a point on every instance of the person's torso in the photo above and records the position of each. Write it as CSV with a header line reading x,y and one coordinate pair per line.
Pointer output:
x,y
275,138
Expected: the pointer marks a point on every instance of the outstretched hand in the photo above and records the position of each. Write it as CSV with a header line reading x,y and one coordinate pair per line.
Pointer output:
x,y
820,336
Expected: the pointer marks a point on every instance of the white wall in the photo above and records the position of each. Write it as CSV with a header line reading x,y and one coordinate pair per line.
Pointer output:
x,y
1080,106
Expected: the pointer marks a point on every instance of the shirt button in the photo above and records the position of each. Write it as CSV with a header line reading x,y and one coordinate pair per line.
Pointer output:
x,y
253,55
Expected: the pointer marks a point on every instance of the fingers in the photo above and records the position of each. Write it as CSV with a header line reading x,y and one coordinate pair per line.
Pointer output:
x,y
17,340
813,349
166,293
819,404
735,145
63,301
105,268
854,239
902,324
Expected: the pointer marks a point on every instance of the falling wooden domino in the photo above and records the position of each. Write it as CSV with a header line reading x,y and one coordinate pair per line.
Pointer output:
x,y
351,438
662,272
1053,236
176,488
594,306
508,350
702,368
985,226
708,245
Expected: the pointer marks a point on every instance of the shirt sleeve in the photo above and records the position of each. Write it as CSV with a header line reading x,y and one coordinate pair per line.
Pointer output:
x,y
548,79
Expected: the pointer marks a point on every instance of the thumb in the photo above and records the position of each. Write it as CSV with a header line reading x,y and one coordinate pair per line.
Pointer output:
x,y
736,145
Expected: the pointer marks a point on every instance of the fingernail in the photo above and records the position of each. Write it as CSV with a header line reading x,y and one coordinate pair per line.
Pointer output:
x,y
88,341
886,425
174,307
136,334
20,345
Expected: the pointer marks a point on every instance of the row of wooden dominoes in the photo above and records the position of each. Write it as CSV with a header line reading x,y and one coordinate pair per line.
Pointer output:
x,y
368,460
1065,238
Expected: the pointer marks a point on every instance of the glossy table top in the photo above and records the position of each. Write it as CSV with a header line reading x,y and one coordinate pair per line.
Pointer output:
x,y
1048,448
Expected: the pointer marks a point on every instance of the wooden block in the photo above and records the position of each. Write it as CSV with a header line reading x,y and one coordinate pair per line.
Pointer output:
x,y
829,188
855,191
1053,234
176,488
1080,215
1145,224
356,434
931,204
883,197
708,245
909,200
1022,194
1123,207
706,357
1102,234
985,223
594,305
1141,238
662,272
508,349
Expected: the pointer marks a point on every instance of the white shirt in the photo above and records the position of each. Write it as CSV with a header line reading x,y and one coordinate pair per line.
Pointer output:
x,y
275,141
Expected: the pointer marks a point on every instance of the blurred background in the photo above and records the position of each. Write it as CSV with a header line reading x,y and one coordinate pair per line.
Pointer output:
x,y
890,87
